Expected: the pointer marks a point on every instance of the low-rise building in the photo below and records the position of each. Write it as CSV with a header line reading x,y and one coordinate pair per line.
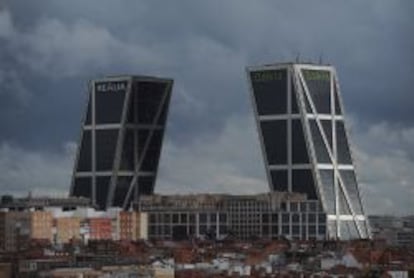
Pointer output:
x,y
66,229
268,215
100,228
17,228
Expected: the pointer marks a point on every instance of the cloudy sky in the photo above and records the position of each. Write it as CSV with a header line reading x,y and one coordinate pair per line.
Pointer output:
x,y
50,49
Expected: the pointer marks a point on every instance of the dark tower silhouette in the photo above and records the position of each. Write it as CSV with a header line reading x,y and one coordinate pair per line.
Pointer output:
x,y
121,139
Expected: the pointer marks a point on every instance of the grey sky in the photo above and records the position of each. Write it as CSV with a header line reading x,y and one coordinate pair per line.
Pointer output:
x,y
50,49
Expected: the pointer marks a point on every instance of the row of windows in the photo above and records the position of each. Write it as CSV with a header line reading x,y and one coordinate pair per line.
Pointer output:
x,y
294,218
275,139
271,93
350,184
203,218
145,100
265,230
134,143
83,188
302,182
183,218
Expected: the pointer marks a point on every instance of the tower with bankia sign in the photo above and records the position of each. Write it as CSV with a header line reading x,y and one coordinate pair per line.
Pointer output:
x,y
121,139
304,141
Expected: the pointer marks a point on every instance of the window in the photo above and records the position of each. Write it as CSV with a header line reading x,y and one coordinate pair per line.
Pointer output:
x,y
270,91
302,182
279,180
319,86
275,141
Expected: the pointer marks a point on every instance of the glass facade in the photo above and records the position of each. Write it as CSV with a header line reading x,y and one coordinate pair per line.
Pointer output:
x,y
279,180
344,155
349,179
298,142
338,110
106,140
121,143
302,182
121,190
270,91
82,187
294,101
85,153
327,180
109,100
275,141
321,150
88,113
319,86
102,190
299,149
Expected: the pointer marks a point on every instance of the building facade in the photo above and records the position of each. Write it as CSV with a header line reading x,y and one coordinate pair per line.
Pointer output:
x,y
100,228
302,131
271,215
66,229
121,139
18,228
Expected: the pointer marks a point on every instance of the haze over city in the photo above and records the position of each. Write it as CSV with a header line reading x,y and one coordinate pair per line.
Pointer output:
x,y
49,50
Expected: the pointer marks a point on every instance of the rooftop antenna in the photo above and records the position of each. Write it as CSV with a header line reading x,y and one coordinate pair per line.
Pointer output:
x,y
320,58
297,57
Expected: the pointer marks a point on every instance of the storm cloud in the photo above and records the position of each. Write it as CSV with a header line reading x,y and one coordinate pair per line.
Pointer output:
x,y
50,49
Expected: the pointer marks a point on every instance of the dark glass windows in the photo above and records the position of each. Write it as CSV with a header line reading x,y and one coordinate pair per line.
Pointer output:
x,y
150,95
85,153
322,155
279,180
88,113
302,182
343,205
109,103
344,155
145,185
348,177
294,102
327,180
319,85
338,109
106,140
144,101
153,148
275,141
270,91
128,154
121,190
299,150
102,187
327,128
82,187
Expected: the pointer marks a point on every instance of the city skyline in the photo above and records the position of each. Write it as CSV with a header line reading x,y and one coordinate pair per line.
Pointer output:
x,y
50,50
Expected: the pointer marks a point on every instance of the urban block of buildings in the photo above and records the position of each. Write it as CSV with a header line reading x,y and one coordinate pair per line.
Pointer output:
x,y
61,221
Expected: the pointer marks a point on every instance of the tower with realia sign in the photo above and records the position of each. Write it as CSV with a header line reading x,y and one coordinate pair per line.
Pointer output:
x,y
304,140
121,139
